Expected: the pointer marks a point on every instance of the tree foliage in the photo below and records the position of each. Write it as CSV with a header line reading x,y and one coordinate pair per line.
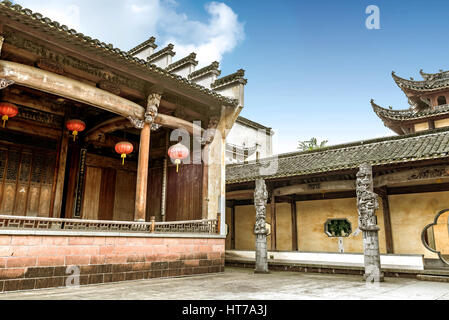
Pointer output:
x,y
312,144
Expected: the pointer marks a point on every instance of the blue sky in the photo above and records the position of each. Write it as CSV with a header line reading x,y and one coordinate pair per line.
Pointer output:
x,y
312,66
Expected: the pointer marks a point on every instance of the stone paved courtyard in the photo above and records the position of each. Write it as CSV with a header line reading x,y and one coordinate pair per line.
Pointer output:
x,y
242,284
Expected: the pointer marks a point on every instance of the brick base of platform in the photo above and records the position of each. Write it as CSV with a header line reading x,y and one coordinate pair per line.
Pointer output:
x,y
37,262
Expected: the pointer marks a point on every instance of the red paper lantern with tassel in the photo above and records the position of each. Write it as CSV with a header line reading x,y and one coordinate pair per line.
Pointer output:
x,y
7,111
76,126
178,153
124,148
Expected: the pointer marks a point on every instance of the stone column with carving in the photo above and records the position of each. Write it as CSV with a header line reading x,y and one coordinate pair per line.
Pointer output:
x,y
260,229
144,154
367,205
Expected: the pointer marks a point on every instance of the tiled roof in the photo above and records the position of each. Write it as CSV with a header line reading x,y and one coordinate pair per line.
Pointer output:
x,y
37,20
437,83
390,150
213,67
190,59
238,76
143,45
409,114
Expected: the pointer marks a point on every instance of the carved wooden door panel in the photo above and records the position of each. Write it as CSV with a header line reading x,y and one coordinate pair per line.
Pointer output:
x,y
26,181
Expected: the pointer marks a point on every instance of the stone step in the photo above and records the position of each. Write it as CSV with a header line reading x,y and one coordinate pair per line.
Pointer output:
x,y
426,277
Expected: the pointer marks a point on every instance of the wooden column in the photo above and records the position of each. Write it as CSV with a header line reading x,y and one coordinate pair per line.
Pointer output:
x,y
294,224
383,193
273,222
205,190
61,174
142,173
233,225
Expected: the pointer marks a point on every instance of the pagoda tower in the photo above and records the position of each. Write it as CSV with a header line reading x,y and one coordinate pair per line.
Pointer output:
x,y
428,100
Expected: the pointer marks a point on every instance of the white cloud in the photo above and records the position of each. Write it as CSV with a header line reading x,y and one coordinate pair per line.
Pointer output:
x,y
127,23
65,12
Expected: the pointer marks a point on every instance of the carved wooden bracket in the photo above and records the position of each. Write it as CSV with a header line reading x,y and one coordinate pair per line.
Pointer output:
x,y
1,43
153,102
137,123
4,83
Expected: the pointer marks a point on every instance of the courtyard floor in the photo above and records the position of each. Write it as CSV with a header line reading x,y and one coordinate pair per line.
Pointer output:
x,y
243,284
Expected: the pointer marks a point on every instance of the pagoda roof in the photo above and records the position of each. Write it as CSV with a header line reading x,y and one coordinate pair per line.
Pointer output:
x,y
57,30
376,152
409,114
430,83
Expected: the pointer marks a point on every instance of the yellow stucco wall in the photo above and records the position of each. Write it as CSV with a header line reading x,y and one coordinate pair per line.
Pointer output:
x,y
421,126
245,219
312,215
284,227
442,123
409,215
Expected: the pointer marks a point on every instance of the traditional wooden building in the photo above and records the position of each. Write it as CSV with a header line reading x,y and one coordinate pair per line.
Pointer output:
x,y
84,153
313,208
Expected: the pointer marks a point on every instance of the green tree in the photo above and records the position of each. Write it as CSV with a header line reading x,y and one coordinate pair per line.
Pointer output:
x,y
312,144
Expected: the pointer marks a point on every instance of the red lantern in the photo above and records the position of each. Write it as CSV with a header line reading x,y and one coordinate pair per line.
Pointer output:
x,y
75,126
7,111
124,148
178,152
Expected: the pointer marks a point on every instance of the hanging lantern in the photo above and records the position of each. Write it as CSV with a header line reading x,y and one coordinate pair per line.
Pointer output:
x,y
178,153
76,126
7,111
124,148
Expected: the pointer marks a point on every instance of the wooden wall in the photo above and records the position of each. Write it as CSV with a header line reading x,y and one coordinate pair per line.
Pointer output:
x,y
26,180
109,190
184,193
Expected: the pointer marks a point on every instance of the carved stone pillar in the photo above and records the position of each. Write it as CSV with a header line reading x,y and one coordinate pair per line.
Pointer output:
x,y
144,155
367,205
260,229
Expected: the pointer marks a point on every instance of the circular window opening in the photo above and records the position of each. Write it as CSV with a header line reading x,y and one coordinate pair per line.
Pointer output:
x,y
338,228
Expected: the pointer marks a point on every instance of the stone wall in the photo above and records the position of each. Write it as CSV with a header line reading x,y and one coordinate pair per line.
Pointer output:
x,y
42,261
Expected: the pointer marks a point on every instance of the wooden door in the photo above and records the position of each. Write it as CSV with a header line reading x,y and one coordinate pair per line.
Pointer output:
x,y
26,181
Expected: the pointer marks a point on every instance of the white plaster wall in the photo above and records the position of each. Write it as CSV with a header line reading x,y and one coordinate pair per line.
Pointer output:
x,y
206,81
163,62
185,71
145,53
242,135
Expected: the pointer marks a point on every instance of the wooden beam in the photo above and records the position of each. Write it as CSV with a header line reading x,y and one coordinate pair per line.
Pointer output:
x,y
424,174
294,224
33,128
419,189
120,123
319,187
68,88
383,193
240,195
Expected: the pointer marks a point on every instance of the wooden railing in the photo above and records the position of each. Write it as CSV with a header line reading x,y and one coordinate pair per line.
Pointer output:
x,y
210,226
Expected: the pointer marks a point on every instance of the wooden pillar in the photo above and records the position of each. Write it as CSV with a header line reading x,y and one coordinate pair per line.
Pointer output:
x,y
142,173
273,222
61,174
233,225
294,224
205,190
383,193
